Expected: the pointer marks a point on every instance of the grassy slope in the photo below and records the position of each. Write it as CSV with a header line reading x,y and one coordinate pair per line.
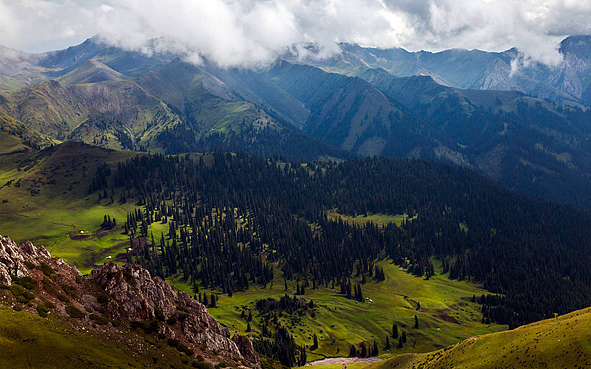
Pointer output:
x,y
47,199
50,201
29,341
15,136
339,321
562,342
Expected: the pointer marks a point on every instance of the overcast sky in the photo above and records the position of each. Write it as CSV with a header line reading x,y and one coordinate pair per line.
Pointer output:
x,y
252,32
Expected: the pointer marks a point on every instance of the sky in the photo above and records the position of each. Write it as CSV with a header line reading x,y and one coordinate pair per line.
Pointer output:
x,y
253,32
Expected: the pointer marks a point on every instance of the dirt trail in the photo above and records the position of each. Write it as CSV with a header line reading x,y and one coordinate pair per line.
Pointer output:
x,y
344,360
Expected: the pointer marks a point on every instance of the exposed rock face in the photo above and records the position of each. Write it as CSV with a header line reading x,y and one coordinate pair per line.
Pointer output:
x,y
13,258
139,295
134,296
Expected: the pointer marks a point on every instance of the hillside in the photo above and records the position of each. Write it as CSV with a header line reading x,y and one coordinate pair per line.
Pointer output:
x,y
351,114
16,137
172,109
116,316
528,145
561,342
418,238
114,98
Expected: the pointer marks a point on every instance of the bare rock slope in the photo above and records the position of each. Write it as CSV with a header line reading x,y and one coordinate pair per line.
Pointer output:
x,y
127,294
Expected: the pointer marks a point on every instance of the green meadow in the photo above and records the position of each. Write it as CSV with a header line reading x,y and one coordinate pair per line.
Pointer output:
x,y
561,342
447,314
44,197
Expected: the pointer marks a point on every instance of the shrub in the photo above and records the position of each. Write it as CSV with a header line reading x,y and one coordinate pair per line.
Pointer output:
x,y
47,285
102,298
49,304
98,319
29,265
4,287
27,282
148,326
159,314
200,365
63,298
182,348
189,352
173,342
16,290
46,269
42,310
74,313
116,323
70,290
28,295
17,308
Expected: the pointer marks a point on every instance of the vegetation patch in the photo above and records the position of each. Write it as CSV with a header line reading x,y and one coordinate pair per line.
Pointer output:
x,y
46,269
48,285
98,319
42,310
149,326
26,281
74,312
70,290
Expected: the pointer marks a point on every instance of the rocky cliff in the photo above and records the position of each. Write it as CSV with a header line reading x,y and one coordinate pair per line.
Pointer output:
x,y
114,293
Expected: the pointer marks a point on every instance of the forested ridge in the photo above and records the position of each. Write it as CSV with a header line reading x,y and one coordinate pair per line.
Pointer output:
x,y
232,217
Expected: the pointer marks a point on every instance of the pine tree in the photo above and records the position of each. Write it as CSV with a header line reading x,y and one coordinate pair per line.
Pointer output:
x,y
352,351
416,322
387,346
394,331
315,344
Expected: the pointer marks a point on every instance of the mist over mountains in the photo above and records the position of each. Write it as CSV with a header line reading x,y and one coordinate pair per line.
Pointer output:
x,y
522,123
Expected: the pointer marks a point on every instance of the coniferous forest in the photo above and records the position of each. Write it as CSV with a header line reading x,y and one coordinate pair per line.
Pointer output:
x,y
232,217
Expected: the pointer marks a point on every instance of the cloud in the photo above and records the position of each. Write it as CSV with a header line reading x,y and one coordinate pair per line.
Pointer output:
x,y
253,32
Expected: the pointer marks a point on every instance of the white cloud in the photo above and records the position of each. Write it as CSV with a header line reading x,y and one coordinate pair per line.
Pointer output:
x,y
252,32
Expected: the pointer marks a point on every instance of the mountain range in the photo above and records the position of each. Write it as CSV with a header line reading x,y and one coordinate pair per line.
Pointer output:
x,y
364,101
568,82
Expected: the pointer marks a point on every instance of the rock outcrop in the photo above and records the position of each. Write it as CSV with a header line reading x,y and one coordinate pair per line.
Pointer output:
x,y
13,259
139,297
127,293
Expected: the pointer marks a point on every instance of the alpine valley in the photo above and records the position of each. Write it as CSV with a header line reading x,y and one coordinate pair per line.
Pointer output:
x,y
427,209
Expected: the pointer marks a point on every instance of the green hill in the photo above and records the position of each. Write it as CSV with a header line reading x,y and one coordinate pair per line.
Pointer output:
x,y
561,342
16,137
